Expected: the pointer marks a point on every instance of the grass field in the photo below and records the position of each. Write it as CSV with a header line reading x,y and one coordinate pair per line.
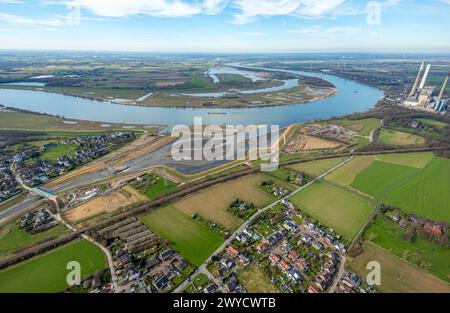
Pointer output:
x,y
36,122
428,193
13,238
380,178
54,153
316,168
396,275
160,187
348,172
398,138
433,122
424,254
192,240
255,280
363,127
200,81
47,273
344,211
213,202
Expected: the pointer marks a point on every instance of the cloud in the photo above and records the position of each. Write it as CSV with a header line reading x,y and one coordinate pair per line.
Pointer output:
x,y
21,20
320,30
250,10
161,8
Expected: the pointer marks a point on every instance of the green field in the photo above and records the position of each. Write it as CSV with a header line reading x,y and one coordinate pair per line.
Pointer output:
x,y
363,127
380,178
348,172
396,274
13,238
161,186
192,240
316,168
54,153
426,194
433,122
398,138
200,81
47,273
344,211
424,254
233,78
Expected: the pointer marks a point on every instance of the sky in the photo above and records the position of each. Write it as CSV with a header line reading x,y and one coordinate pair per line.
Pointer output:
x,y
227,26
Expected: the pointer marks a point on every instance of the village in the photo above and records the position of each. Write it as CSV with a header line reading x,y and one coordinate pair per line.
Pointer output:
x,y
297,255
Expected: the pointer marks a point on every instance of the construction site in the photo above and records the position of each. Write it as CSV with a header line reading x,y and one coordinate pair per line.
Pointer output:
x,y
422,97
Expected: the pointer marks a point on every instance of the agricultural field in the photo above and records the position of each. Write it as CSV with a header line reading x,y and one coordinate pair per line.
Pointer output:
x,y
53,153
345,211
47,273
13,238
426,194
396,275
213,202
380,178
316,143
346,174
363,127
255,280
397,138
192,240
316,168
421,253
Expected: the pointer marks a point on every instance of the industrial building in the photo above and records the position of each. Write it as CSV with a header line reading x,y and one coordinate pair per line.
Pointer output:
x,y
421,97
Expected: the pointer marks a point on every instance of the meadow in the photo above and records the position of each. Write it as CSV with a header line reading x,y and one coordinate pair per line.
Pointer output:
x,y
346,174
192,240
13,238
421,253
255,280
397,138
53,153
380,178
316,168
397,276
47,273
426,194
363,126
212,203
343,210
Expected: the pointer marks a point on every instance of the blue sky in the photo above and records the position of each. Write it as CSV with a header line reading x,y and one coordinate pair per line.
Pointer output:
x,y
226,25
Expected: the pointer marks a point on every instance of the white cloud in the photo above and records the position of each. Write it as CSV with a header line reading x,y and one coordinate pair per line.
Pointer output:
x,y
320,30
252,9
164,8
21,20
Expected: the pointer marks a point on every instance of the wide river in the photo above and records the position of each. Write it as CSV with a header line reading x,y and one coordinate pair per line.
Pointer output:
x,y
351,97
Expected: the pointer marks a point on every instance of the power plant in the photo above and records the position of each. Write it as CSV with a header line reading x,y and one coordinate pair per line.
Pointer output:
x,y
421,97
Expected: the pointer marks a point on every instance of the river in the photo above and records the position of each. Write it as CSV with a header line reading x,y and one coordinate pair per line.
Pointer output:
x,y
351,97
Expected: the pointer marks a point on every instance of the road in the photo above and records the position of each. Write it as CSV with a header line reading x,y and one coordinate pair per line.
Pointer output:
x,y
202,267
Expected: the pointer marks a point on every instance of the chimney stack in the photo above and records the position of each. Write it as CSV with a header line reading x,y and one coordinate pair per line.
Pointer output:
x,y
441,94
425,77
416,83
